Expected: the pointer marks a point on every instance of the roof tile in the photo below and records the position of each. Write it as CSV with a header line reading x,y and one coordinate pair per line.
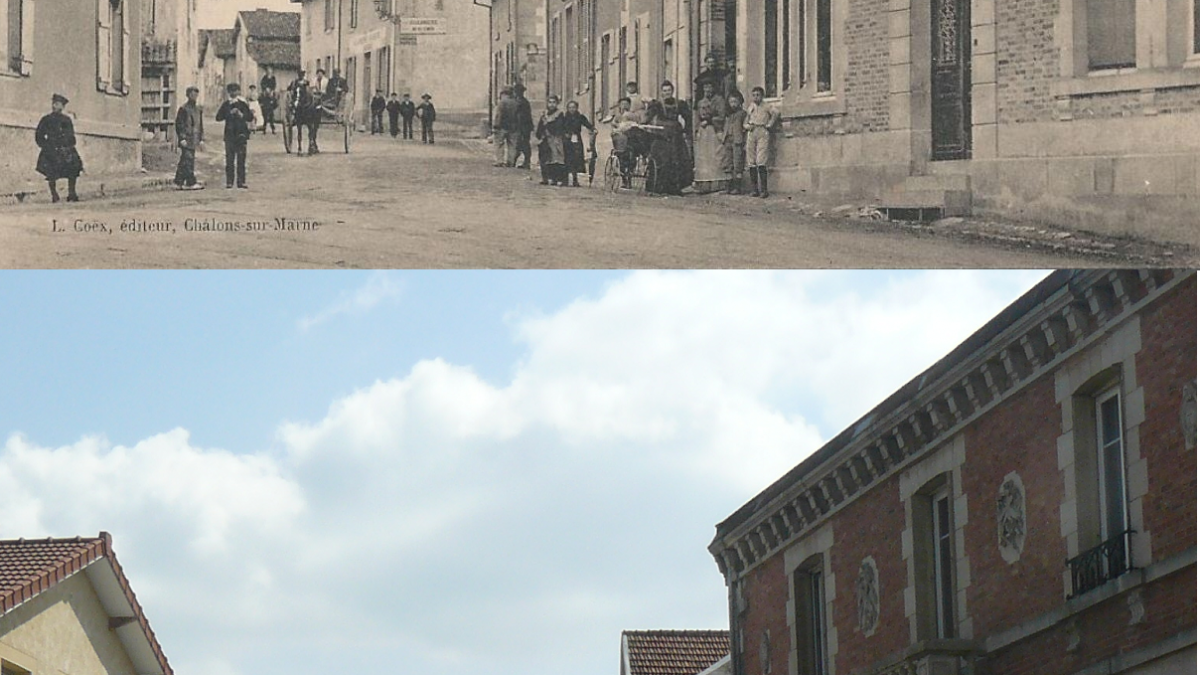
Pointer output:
x,y
674,652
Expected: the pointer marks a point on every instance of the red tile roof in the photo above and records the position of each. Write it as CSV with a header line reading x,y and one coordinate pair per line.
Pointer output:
x,y
263,23
275,53
30,566
674,652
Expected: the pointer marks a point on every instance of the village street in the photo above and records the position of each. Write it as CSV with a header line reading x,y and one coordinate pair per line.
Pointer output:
x,y
403,204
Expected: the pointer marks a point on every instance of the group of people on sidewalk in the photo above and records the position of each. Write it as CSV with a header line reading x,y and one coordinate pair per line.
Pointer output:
x,y
401,113
706,146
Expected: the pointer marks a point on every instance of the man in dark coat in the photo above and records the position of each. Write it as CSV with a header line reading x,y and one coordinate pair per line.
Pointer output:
x,y
428,114
268,100
236,115
268,82
504,129
189,129
524,126
378,105
393,111
55,135
336,88
408,110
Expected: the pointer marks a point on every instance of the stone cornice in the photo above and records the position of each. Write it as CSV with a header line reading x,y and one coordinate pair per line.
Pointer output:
x,y
1076,311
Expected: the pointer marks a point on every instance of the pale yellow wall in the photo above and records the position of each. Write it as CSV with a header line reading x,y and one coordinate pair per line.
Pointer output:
x,y
63,631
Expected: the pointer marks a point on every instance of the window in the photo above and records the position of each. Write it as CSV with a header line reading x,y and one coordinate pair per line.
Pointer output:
x,y
808,585
824,47
568,50
637,53
943,563
933,559
328,14
353,13
16,36
112,47
555,52
668,60
771,56
1194,24
1111,34
1100,484
622,65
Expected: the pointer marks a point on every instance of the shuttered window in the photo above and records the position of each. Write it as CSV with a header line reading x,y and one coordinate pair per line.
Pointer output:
x,y
112,47
1111,34
771,47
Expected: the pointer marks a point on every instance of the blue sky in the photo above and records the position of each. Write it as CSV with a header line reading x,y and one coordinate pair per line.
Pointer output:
x,y
460,472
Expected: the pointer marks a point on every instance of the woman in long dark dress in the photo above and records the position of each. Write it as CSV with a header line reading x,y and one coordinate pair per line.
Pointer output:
x,y
710,132
574,122
671,153
551,133
55,135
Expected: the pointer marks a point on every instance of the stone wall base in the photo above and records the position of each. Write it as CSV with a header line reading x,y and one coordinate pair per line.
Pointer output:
x,y
101,155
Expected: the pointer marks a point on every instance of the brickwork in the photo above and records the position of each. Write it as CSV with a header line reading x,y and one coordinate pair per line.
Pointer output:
x,y
1105,106
1004,598
766,593
1026,60
1167,363
866,33
868,527
1018,435
811,126
1177,101
1103,631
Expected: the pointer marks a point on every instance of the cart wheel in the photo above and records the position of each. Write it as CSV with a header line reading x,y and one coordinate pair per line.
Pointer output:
x,y
649,175
612,173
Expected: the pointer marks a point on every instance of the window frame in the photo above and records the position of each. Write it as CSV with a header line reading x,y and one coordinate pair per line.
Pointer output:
x,y
944,586
1103,469
810,620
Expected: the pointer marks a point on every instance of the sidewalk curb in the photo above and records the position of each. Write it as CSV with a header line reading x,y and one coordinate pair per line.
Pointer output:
x,y
89,189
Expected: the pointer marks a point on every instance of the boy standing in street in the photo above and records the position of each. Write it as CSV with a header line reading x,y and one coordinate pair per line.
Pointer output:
x,y
236,115
428,114
408,110
760,120
189,129
734,161
393,111
378,105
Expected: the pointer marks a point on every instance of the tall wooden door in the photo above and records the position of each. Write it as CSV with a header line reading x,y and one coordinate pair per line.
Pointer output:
x,y
951,79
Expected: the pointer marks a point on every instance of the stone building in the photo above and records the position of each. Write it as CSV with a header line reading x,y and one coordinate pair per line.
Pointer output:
x,y
67,607
170,54
100,78
1027,505
439,47
217,65
518,48
1046,107
264,39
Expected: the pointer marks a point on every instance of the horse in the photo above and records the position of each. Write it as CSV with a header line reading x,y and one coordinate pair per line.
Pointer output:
x,y
303,110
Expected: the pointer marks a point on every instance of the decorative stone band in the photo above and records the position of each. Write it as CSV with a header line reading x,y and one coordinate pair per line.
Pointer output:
x,y
945,657
1083,309
24,119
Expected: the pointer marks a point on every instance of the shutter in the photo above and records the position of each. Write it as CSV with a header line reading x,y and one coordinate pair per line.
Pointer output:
x,y
103,45
125,43
26,37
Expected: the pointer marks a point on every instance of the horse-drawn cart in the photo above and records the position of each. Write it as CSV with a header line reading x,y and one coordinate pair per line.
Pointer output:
x,y
306,110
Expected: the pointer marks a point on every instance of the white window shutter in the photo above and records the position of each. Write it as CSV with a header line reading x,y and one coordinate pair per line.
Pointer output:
x,y
125,46
103,44
27,23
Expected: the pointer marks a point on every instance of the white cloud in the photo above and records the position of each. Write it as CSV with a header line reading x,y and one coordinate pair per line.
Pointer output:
x,y
379,287
452,523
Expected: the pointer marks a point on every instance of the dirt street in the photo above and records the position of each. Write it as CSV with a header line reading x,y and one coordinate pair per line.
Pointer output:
x,y
404,204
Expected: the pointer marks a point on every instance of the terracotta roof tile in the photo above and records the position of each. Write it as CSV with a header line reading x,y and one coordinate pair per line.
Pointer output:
x,y
262,23
30,566
275,53
674,652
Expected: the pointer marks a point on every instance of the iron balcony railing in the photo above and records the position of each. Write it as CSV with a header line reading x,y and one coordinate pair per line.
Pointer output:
x,y
1101,564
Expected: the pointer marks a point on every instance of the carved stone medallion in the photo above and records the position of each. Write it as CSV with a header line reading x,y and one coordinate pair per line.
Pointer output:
x,y
1010,518
1187,415
866,590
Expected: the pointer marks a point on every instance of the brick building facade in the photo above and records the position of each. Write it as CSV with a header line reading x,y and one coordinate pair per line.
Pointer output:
x,y
1027,505
1087,110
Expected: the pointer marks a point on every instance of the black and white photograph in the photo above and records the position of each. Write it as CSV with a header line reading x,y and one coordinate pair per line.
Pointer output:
x,y
599,133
